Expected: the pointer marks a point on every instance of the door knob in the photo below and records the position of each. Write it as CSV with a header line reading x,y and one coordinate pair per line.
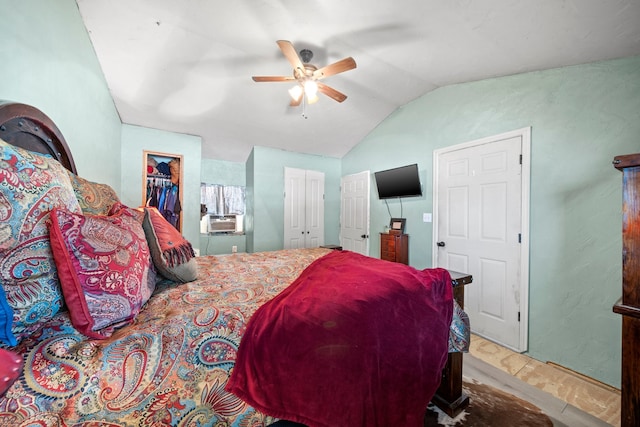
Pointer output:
x,y
441,244
364,236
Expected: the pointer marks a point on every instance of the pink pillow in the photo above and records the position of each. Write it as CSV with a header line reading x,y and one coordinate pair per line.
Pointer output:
x,y
104,268
10,368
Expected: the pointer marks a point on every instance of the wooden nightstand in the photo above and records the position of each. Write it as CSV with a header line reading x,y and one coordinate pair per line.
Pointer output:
x,y
450,397
394,247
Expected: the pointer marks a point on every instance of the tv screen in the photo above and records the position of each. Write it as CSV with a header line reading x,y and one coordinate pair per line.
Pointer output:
x,y
398,182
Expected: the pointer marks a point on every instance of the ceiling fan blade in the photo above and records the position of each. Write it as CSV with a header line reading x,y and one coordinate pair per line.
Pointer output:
x,y
273,78
331,92
341,66
292,56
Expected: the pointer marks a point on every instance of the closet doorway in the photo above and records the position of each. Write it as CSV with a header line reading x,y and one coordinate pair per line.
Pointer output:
x,y
162,175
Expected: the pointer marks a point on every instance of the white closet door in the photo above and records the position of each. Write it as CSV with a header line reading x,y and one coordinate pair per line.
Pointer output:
x,y
303,208
294,208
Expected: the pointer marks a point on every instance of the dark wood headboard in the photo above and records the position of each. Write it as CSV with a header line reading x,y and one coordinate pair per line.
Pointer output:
x,y
27,127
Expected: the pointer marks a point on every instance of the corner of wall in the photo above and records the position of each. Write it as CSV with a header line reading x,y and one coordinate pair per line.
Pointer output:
x,y
250,201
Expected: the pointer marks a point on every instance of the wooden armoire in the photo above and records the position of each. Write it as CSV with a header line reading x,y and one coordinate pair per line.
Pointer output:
x,y
629,305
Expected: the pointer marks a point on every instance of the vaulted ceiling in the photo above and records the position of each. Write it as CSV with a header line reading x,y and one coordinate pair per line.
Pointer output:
x,y
186,65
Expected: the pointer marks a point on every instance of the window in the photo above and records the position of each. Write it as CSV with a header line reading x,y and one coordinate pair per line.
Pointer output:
x,y
223,199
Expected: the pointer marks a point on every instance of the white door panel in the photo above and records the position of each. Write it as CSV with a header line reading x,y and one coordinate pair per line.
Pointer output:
x,y
458,217
303,208
479,201
294,187
456,262
354,212
314,209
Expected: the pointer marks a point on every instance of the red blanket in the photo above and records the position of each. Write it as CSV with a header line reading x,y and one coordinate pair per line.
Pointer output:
x,y
353,341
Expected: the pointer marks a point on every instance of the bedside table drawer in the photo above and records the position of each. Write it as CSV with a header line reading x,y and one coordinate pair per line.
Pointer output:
x,y
388,245
394,247
388,255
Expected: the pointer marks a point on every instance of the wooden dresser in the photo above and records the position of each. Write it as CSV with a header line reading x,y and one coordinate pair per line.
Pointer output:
x,y
629,305
394,247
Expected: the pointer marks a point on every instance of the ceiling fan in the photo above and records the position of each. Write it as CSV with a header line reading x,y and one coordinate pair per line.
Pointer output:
x,y
307,76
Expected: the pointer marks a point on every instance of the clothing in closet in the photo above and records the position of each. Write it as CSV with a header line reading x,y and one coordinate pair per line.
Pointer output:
x,y
164,195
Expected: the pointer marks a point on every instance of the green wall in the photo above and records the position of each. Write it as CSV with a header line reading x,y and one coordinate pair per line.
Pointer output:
x,y
581,117
265,180
223,172
135,140
49,62
250,206
263,176
222,244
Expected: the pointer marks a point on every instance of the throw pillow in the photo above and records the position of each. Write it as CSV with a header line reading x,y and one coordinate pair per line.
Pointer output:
x,y
172,254
94,198
104,268
10,367
30,186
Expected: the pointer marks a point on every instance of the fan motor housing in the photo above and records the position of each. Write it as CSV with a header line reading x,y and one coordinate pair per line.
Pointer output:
x,y
306,55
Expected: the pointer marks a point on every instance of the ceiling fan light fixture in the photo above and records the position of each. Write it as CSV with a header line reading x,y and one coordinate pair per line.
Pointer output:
x,y
308,76
311,89
296,92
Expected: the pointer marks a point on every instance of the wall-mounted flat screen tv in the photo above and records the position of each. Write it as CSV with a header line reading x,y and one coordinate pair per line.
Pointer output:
x,y
398,182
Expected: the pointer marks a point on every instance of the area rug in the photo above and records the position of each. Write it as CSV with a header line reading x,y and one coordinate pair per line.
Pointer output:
x,y
489,407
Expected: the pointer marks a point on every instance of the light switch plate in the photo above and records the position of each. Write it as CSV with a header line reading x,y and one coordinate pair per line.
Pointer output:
x,y
427,217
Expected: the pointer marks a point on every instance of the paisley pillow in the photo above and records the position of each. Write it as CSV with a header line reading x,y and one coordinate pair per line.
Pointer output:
x,y
104,268
30,186
94,198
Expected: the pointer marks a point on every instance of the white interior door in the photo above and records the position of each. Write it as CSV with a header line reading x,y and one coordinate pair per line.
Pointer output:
x,y
314,209
481,205
354,212
303,208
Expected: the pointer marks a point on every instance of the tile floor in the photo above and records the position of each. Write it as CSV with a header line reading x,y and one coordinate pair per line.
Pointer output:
x,y
586,394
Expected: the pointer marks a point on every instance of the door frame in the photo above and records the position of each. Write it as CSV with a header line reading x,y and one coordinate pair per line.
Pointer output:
x,y
525,135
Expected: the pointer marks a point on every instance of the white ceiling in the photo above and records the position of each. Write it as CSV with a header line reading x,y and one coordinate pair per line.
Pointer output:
x,y
186,65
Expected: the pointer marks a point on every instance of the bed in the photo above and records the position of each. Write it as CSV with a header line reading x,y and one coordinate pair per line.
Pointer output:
x,y
179,360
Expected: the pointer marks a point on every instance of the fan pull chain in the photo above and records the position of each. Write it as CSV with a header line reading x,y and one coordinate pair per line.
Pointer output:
x,y
304,106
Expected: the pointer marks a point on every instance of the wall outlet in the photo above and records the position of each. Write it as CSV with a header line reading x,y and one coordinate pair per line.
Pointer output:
x,y
427,217
234,249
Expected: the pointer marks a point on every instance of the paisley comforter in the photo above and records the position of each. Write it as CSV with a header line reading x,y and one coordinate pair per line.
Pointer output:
x,y
168,368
